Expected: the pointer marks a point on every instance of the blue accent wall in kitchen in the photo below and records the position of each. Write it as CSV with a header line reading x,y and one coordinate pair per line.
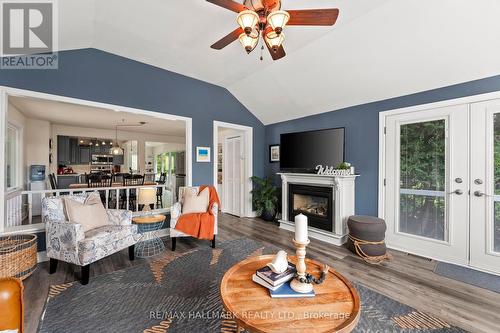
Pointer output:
x,y
99,76
361,137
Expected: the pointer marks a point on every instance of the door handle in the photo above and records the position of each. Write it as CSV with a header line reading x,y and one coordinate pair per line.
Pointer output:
x,y
479,193
457,192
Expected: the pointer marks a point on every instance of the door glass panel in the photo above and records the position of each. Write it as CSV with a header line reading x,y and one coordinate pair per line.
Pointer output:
x,y
496,197
422,179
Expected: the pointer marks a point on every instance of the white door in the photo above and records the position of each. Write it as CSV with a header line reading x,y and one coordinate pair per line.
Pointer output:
x,y
233,175
426,175
485,186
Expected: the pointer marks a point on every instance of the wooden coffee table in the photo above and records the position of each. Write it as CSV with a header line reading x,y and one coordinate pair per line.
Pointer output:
x,y
335,308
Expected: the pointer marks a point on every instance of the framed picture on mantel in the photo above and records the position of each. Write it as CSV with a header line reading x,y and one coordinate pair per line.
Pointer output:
x,y
274,153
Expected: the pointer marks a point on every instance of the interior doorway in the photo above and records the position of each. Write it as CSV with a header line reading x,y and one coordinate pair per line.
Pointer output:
x,y
233,167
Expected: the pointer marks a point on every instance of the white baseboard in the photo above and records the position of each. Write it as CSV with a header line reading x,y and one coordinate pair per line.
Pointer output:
x,y
322,235
42,255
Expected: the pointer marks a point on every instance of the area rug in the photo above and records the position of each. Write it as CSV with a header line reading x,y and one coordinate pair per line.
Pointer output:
x,y
179,292
469,276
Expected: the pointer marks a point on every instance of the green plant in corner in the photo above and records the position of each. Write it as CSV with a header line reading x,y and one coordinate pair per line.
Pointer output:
x,y
264,197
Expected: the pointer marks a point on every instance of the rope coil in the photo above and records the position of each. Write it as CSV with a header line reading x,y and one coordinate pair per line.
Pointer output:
x,y
374,260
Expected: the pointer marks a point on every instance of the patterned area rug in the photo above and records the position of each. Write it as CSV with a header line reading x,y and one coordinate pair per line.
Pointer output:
x,y
179,292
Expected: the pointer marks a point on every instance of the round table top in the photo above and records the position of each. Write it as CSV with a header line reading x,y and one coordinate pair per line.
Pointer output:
x,y
148,219
335,308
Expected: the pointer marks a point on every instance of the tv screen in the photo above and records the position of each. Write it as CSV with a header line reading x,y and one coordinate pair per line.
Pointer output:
x,y
303,151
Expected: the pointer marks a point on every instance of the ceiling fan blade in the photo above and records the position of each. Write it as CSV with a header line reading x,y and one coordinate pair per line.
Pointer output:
x,y
228,4
280,52
228,39
313,16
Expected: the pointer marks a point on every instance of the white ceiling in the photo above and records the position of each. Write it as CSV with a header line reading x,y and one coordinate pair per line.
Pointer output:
x,y
378,49
91,117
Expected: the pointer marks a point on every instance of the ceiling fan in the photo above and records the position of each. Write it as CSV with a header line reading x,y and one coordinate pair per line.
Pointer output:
x,y
265,18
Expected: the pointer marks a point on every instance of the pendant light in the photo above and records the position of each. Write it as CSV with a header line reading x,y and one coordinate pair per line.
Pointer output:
x,y
116,149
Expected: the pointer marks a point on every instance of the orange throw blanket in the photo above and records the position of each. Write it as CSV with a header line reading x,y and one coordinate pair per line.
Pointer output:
x,y
200,225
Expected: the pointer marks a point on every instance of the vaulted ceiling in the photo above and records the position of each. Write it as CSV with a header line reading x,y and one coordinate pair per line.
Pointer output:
x,y
378,49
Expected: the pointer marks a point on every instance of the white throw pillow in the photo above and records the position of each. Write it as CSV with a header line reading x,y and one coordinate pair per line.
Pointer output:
x,y
196,203
90,214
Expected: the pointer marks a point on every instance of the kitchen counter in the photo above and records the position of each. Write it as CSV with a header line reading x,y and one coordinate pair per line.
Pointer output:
x,y
64,180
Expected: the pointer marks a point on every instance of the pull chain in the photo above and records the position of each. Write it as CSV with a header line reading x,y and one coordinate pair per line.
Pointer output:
x,y
261,50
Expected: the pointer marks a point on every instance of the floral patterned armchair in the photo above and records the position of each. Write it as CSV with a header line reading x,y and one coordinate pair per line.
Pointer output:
x,y
68,242
176,211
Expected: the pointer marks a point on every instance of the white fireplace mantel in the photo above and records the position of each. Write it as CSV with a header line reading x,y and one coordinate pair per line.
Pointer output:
x,y
343,203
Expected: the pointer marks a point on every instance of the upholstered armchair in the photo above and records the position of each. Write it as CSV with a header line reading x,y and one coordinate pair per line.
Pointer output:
x,y
11,305
68,242
176,212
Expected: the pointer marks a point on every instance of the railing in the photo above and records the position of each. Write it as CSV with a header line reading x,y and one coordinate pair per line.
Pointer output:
x,y
24,207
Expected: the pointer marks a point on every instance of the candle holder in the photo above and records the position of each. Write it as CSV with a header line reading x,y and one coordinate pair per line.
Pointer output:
x,y
297,284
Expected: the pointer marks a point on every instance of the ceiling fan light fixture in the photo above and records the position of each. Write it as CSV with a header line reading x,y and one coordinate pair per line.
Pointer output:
x,y
247,20
248,41
277,20
274,40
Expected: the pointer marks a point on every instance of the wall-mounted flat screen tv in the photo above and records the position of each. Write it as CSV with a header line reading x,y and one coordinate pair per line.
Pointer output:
x,y
303,151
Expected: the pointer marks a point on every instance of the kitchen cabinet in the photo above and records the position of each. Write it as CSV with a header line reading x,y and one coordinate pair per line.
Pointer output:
x,y
74,151
118,160
96,150
63,150
84,155
63,181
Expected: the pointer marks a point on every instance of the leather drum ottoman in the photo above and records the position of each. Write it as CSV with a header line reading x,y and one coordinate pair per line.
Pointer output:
x,y
366,237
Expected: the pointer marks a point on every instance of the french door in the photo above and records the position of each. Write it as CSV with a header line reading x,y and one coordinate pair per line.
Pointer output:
x,y
485,186
442,177
426,182
233,175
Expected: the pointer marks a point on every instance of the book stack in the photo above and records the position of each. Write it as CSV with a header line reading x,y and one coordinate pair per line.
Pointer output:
x,y
278,284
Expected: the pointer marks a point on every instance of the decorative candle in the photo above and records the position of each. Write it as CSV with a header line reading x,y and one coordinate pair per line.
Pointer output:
x,y
301,228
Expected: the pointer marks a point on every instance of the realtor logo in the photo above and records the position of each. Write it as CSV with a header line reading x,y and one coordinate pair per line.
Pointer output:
x,y
29,34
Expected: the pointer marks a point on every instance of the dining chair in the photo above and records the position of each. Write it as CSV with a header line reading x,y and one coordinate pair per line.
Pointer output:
x,y
159,190
130,180
95,180
53,181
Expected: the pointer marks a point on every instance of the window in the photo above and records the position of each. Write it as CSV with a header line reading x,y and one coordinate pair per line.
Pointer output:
x,y
12,157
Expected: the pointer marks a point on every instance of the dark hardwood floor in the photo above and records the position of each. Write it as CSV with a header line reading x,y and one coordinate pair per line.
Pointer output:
x,y
407,279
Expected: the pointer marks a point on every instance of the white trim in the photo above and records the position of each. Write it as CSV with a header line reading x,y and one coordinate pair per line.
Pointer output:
x,y
19,128
381,134
248,143
41,256
3,125
8,91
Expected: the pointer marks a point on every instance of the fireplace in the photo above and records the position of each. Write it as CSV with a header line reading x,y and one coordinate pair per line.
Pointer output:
x,y
313,201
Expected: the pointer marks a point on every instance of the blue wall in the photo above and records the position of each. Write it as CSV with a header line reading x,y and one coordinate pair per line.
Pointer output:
x,y
95,75
361,123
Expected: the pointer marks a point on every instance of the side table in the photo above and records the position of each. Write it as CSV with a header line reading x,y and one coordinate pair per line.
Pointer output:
x,y
150,243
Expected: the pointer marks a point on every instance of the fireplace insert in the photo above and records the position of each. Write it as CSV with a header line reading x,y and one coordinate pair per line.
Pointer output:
x,y
313,201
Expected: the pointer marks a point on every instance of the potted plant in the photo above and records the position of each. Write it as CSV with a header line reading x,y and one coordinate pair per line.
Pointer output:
x,y
264,198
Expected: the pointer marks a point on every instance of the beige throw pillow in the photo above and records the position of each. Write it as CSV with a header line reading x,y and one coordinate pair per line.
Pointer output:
x,y
90,214
195,203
